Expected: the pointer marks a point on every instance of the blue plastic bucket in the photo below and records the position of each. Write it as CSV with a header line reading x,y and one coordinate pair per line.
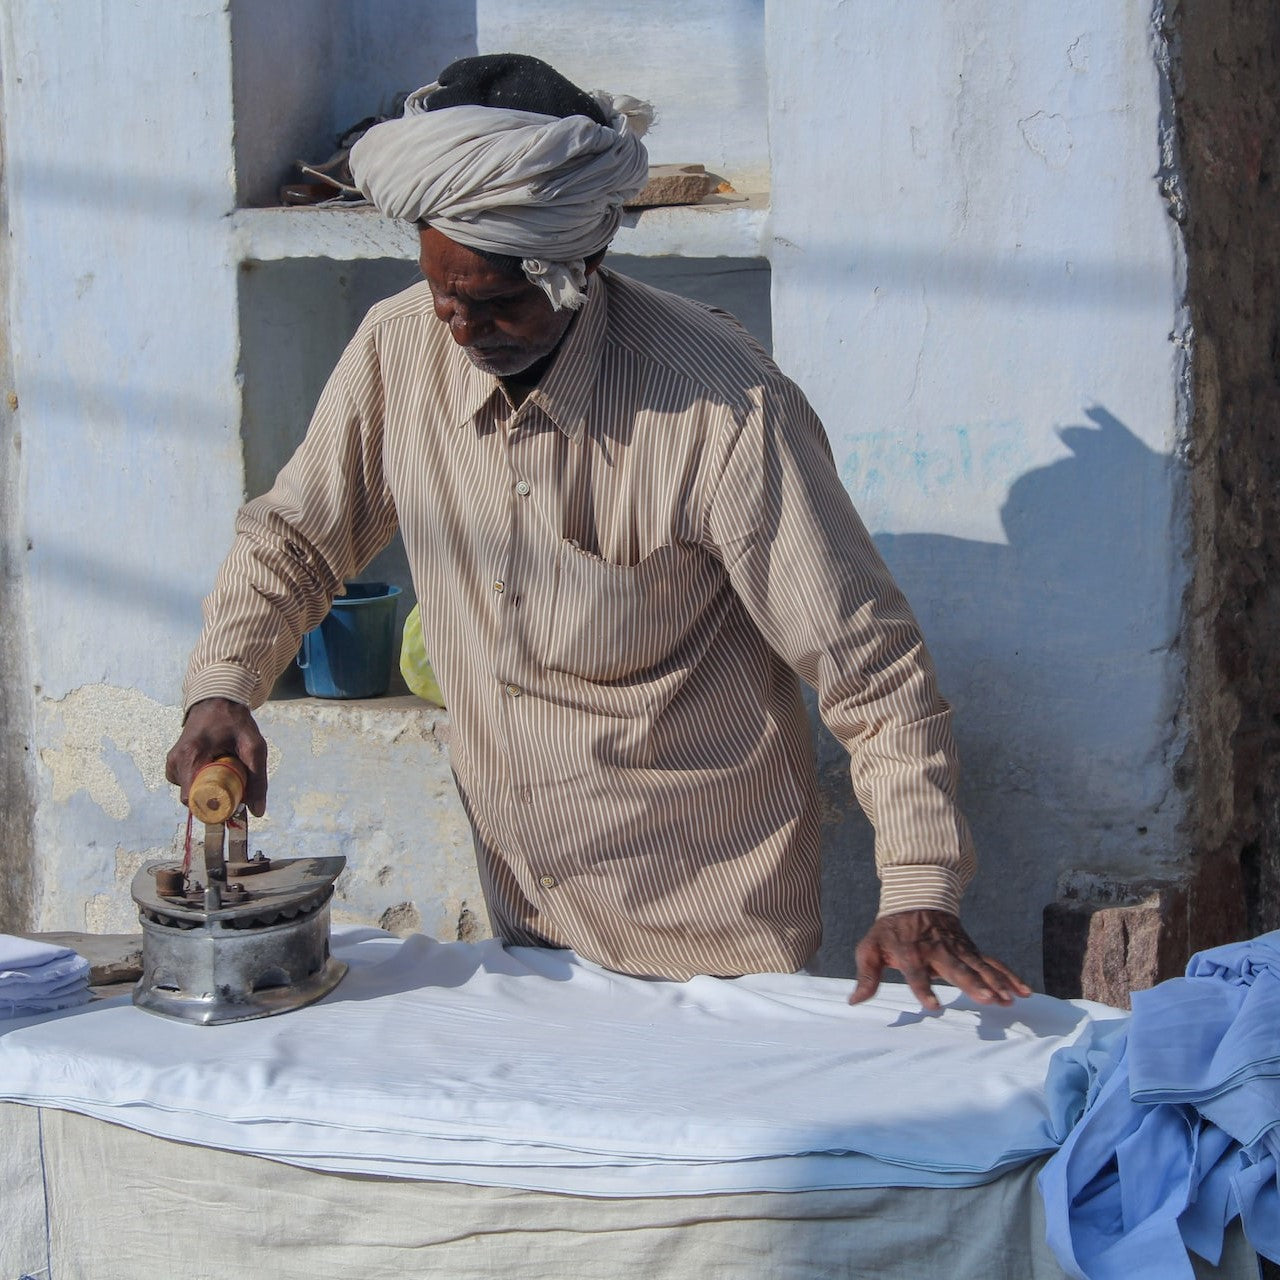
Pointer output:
x,y
349,655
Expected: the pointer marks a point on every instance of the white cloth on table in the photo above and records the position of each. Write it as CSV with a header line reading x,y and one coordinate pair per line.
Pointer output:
x,y
1184,1135
536,1069
38,977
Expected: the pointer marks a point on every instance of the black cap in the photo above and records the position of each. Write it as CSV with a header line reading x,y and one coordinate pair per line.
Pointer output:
x,y
514,81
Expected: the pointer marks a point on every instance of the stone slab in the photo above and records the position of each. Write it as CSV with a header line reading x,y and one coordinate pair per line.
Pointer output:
x,y
671,184
1105,950
114,958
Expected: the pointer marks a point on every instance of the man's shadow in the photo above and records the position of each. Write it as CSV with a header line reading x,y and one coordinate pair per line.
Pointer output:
x,y
1056,651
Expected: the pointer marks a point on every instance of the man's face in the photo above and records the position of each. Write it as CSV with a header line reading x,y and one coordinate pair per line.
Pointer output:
x,y
503,323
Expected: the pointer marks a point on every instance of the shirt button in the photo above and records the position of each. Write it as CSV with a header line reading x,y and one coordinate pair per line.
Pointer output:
x,y
547,882
526,794
514,690
499,586
523,487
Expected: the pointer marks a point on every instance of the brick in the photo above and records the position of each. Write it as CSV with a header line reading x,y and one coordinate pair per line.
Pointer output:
x,y
673,184
1105,949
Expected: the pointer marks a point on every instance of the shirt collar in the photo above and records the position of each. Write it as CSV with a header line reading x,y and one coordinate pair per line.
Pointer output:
x,y
564,394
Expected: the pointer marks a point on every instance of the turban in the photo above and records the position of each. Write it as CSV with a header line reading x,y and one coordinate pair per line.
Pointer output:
x,y
545,189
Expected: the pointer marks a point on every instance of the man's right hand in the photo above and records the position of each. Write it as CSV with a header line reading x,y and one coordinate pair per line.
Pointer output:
x,y
218,727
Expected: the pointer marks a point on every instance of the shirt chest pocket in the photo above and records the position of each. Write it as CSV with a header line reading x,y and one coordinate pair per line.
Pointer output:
x,y
620,623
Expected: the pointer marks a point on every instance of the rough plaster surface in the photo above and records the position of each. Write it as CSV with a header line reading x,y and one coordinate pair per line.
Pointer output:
x,y
700,62
122,322
1226,63
103,804
976,280
113,910
79,726
369,781
16,880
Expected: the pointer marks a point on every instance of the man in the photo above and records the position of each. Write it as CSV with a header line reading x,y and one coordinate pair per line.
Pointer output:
x,y
627,537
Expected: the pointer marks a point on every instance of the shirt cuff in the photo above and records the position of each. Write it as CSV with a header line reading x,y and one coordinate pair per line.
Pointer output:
x,y
920,887
221,680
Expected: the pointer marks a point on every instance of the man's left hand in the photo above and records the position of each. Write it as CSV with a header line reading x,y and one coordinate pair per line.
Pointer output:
x,y
923,945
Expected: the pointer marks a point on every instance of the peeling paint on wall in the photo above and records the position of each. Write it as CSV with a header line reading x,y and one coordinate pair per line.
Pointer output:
x,y
470,927
462,923
113,911
384,725
80,727
1049,136
403,918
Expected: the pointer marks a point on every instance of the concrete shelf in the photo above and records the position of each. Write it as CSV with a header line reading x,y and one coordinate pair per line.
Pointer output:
x,y
722,226
412,714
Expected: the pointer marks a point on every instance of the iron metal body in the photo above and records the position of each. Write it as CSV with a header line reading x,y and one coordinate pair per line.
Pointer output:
x,y
252,942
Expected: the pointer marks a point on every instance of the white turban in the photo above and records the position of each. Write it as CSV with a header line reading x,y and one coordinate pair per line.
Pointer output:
x,y
543,189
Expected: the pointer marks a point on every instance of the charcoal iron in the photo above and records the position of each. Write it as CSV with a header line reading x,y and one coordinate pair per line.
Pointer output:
x,y
251,938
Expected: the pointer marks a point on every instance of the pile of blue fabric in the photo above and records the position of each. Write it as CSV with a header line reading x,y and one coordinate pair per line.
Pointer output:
x,y
1183,1136
38,977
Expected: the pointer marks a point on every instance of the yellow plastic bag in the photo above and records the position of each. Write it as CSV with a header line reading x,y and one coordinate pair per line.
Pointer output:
x,y
414,664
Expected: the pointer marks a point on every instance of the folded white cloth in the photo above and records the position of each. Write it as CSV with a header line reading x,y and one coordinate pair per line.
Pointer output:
x,y
537,1069
38,977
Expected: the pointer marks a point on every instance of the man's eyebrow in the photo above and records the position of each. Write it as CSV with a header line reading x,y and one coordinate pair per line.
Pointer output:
x,y
496,293
514,289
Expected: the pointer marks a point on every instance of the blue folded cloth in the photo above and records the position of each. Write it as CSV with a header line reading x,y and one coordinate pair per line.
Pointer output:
x,y
38,977
1184,1135
1215,1043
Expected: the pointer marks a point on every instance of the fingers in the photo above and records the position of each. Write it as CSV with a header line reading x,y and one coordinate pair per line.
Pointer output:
x,y
925,946
251,750
1011,979
908,962
972,975
982,978
955,959
171,767
217,727
917,972
870,967
181,764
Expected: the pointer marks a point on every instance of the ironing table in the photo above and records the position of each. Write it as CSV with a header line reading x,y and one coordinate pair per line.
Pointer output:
x,y
468,1110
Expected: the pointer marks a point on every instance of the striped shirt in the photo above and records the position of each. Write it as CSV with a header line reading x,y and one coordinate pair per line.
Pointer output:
x,y
620,581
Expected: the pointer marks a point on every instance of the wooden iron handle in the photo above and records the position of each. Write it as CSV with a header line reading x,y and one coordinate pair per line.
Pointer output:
x,y
217,790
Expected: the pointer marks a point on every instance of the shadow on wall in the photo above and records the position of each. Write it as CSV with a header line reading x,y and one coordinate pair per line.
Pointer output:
x,y
1055,650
